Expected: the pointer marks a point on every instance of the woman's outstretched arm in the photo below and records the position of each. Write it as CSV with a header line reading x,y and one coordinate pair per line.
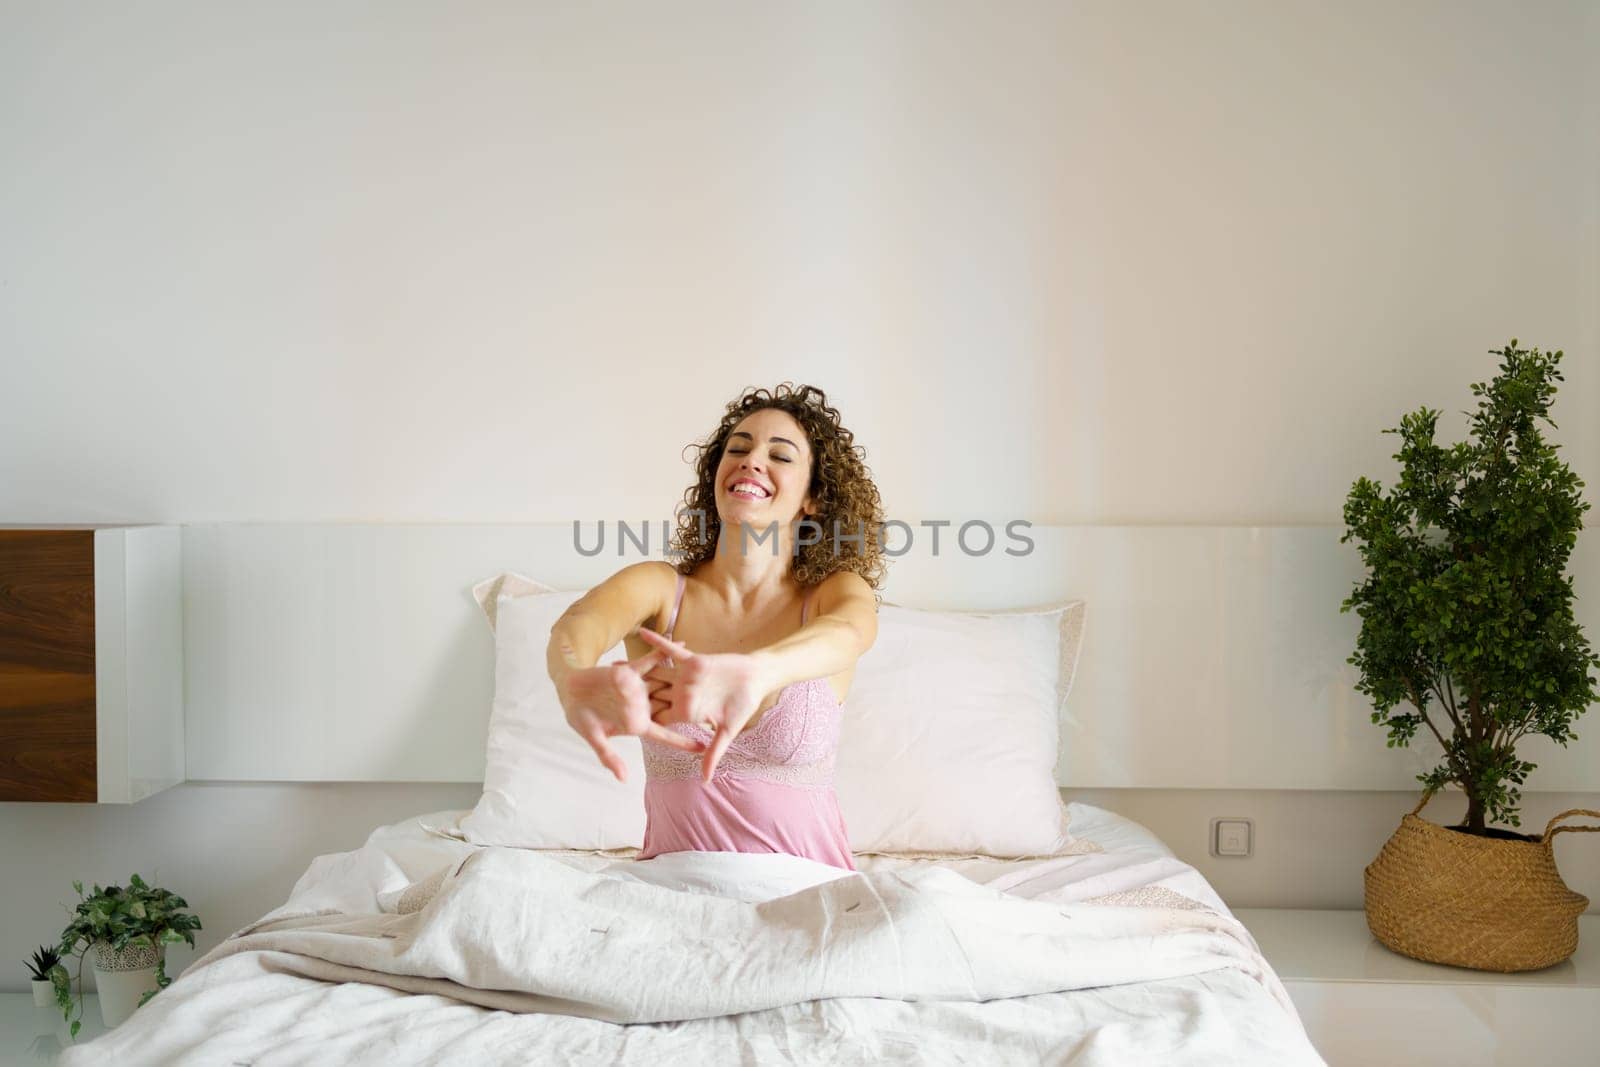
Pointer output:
x,y
601,702
604,616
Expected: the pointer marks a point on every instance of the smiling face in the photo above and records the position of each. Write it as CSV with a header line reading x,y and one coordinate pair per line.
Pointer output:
x,y
765,472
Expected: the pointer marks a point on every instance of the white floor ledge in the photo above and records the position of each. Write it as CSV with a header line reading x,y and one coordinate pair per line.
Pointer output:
x,y
1336,946
1365,1006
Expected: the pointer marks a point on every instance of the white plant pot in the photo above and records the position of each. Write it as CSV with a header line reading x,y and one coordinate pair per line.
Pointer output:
x,y
44,994
122,979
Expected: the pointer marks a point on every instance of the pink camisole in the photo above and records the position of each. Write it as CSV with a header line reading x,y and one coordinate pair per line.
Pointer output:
x,y
772,790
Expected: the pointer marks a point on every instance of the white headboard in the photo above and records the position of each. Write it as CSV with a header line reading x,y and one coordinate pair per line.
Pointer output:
x,y
1214,657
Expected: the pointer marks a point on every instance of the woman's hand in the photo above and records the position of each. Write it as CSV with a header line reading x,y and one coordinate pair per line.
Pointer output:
x,y
719,691
605,701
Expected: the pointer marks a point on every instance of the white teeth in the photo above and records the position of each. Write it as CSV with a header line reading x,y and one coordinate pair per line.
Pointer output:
x,y
746,489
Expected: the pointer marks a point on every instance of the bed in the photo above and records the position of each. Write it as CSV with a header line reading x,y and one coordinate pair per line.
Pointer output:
x,y
986,922
1154,969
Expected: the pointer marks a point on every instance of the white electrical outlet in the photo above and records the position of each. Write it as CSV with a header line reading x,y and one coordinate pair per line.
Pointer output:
x,y
1231,837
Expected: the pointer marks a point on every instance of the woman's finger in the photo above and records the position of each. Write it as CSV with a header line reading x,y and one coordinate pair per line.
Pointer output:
x,y
666,736
609,756
646,663
719,745
682,703
675,649
670,712
662,674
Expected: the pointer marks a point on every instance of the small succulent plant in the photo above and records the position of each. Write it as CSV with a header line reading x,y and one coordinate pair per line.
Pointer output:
x,y
43,959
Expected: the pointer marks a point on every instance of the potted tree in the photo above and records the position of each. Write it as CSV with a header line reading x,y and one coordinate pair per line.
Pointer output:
x,y
1467,629
127,929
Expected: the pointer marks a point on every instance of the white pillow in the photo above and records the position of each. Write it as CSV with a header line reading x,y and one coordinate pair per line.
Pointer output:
x,y
543,786
949,738
951,729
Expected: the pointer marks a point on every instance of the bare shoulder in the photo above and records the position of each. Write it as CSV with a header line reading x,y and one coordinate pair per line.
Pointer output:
x,y
844,587
848,596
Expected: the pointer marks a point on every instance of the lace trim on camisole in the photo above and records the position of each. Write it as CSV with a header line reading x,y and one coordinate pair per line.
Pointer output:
x,y
795,743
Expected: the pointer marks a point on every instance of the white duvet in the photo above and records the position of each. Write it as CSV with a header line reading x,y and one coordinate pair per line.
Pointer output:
x,y
416,949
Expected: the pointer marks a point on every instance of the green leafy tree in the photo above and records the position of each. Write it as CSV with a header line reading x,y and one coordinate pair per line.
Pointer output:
x,y
1466,608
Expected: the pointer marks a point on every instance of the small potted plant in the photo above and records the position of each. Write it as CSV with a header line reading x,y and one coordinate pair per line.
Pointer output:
x,y
127,929
43,962
1467,630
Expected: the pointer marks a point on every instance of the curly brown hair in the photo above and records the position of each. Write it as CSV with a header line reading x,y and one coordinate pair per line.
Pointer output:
x,y
841,486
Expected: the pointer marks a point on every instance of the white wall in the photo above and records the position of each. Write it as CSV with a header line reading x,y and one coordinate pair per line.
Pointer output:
x,y
1089,263
1111,263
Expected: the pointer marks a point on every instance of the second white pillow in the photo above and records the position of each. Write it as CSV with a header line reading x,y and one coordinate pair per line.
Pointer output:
x,y
950,733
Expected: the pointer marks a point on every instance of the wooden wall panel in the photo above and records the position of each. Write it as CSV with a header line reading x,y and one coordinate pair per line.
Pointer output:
x,y
47,665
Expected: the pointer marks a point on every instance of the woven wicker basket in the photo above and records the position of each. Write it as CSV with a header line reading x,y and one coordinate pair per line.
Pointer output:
x,y
1492,904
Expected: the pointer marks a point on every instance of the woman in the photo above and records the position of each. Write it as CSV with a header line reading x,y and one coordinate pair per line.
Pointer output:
x,y
738,703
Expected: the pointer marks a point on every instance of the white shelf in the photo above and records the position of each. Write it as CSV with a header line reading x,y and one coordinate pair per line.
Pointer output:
x,y
30,1034
1365,1005
1336,946
138,618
